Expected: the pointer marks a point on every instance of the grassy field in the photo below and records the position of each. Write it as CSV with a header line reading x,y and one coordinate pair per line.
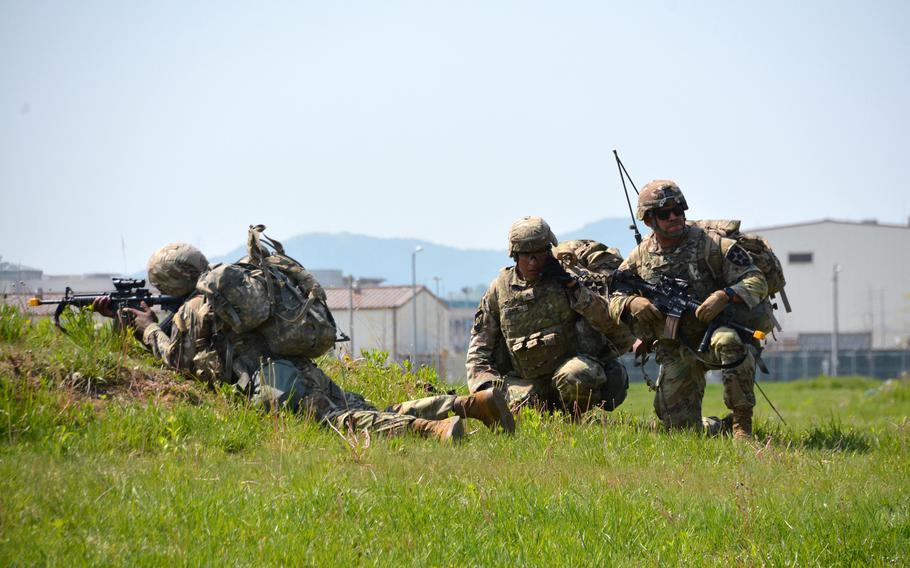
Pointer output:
x,y
105,458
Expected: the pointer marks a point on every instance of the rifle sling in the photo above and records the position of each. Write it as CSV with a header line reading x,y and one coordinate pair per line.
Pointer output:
x,y
713,366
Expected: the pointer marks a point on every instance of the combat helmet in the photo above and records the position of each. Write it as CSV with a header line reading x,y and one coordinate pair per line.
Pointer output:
x,y
658,194
530,234
174,268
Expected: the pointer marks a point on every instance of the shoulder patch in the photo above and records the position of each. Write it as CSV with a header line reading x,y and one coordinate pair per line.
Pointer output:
x,y
738,256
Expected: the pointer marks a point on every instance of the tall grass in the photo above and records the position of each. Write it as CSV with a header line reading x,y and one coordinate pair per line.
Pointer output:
x,y
123,477
384,382
13,324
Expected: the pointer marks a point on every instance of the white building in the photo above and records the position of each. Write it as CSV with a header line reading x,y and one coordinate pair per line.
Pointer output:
x,y
20,283
16,279
383,319
873,283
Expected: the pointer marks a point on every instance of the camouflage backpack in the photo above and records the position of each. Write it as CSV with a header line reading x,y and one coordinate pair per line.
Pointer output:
x,y
271,295
591,262
757,247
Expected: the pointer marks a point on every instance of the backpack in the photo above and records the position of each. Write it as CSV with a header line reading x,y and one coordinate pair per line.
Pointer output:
x,y
271,295
757,247
591,262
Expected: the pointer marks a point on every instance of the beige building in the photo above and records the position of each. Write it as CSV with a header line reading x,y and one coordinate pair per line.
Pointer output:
x,y
873,283
383,319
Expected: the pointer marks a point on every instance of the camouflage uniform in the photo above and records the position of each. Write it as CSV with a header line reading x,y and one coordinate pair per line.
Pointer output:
x,y
200,344
708,263
296,382
526,340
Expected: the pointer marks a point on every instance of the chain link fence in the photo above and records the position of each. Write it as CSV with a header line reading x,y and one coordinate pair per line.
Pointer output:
x,y
792,365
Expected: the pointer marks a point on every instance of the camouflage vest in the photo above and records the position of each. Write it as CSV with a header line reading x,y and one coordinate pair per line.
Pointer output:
x,y
690,260
219,354
699,260
538,325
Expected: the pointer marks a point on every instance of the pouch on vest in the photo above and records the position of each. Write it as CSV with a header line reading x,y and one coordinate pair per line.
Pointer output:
x,y
237,294
301,322
538,354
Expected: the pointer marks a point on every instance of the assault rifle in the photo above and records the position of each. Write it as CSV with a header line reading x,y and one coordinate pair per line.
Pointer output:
x,y
127,293
671,296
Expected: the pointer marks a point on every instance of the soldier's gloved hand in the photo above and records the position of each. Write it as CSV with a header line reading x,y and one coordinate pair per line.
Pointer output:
x,y
712,306
555,270
644,311
141,318
102,305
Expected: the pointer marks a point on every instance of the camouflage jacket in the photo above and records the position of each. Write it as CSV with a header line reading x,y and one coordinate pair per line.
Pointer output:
x,y
198,346
707,261
531,329
179,348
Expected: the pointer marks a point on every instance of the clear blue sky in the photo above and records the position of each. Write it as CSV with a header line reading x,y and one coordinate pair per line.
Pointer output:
x,y
148,122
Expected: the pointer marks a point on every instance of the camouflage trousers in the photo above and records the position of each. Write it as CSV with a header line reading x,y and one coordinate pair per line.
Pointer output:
x,y
682,378
302,387
579,384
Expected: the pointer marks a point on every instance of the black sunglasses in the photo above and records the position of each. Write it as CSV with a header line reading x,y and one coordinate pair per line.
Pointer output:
x,y
664,214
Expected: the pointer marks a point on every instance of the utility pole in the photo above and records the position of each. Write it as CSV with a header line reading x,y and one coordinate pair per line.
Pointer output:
x,y
414,299
351,311
436,279
835,354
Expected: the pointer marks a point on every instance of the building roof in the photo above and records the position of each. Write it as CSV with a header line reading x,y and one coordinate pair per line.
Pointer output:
x,y
864,223
373,298
16,266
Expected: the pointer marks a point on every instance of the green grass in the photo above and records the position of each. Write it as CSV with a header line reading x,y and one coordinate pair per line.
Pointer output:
x,y
150,469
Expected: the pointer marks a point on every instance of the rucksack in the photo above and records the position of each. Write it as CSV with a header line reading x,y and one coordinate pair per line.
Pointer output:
x,y
591,262
758,248
270,294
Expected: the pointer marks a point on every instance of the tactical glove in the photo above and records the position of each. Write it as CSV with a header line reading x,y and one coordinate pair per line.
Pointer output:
x,y
712,306
644,311
141,319
555,270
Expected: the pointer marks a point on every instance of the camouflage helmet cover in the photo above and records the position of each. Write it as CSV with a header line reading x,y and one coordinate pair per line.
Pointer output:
x,y
658,194
530,234
174,268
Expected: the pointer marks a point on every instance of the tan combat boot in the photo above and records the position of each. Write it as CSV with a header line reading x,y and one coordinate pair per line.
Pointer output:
x,y
489,406
742,424
446,430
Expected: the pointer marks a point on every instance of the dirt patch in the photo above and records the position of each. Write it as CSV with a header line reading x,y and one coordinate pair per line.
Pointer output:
x,y
133,381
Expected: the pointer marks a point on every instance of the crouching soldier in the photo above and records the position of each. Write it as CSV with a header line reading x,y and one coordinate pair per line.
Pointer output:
x,y
526,339
720,273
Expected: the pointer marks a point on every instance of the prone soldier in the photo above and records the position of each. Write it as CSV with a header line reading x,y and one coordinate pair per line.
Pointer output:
x,y
197,343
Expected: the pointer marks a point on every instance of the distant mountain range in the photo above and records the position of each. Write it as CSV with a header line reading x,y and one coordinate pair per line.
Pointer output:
x,y
365,256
